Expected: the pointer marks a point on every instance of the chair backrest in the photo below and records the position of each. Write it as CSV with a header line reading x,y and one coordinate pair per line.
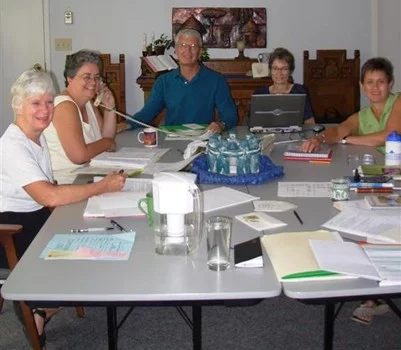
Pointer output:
x,y
332,82
114,73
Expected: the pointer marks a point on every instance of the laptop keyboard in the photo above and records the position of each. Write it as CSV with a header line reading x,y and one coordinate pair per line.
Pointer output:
x,y
281,130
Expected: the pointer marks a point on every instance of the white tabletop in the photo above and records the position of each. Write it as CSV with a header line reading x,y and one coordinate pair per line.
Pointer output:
x,y
146,276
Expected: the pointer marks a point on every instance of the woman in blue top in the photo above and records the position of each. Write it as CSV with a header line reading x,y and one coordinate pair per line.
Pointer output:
x,y
281,66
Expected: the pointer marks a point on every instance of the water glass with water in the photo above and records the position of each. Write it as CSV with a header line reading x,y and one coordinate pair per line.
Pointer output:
x,y
218,229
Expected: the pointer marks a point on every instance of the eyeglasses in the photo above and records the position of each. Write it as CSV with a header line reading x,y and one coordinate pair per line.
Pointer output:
x,y
191,47
282,69
87,78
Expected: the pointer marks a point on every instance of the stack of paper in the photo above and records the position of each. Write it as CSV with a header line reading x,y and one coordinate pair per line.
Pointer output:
x,y
224,197
377,262
115,204
128,157
375,225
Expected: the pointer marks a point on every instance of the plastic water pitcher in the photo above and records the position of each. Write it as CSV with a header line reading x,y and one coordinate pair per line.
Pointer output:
x,y
177,205
393,149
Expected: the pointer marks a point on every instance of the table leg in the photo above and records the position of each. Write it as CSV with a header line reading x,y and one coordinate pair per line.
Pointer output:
x,y
197,327
112,330
328,325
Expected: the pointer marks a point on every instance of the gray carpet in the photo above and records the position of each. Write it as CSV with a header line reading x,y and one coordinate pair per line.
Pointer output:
x,y
278,323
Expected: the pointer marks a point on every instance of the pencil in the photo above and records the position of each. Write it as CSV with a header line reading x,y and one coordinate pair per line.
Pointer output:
x,y
298,217
320,161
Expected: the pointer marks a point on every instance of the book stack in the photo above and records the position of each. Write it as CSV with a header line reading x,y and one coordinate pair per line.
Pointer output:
x,y
370,183
323,156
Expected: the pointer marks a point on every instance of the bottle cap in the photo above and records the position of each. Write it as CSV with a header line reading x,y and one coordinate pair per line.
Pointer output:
x,y
394,136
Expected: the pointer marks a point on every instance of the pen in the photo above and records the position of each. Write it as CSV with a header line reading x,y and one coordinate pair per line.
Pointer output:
x,y
298,217
91,229
117,225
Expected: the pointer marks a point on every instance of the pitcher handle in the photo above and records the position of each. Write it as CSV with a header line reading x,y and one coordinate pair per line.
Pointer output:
x,y
143,200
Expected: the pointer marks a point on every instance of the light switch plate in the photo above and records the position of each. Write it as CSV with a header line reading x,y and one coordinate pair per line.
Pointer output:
x,y
68,17
63,44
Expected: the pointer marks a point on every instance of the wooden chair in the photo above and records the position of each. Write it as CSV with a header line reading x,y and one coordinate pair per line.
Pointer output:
x,y
7,241
332,82
114,74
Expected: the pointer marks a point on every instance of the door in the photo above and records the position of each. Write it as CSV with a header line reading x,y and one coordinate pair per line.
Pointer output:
x,y
22,45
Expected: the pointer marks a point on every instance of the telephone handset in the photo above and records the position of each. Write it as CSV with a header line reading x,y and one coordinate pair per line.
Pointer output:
x,y
99,98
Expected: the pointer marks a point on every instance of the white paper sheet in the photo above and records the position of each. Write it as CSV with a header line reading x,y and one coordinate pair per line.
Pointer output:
x,y
273,206
304,189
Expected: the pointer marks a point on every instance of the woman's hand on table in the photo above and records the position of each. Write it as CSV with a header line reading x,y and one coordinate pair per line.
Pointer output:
x,y
114,181
311,145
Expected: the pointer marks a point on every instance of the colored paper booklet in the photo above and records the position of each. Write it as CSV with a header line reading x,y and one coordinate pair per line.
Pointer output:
x,y
103,246
292,257
389,201
260,221
294,152
248,254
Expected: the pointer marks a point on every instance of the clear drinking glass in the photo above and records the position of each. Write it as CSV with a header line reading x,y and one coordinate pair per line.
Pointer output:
x,y
218,229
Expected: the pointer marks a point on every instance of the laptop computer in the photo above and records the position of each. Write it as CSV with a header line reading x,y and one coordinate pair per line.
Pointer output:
x,y
277,113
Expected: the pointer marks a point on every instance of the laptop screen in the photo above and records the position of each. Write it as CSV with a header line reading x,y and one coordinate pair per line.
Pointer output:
x,y
276,111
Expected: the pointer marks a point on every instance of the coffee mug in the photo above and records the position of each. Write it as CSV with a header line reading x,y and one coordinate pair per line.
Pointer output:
x,y
263,57
148,137
148,211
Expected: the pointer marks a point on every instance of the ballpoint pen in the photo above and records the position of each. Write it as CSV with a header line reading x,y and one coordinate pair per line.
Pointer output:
x,y
117,225
91,229
298,217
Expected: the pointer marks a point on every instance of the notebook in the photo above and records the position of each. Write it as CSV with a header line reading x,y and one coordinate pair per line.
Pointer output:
x,y
275,112
294,152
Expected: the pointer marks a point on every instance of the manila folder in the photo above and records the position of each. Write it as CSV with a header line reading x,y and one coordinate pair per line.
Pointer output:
x,y
291,254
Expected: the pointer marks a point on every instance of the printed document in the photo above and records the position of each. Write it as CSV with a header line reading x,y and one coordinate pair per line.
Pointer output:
x,y
304,189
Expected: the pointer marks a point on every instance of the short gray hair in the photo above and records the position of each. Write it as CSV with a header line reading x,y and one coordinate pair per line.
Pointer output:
x,y
75,61
30,83
188,32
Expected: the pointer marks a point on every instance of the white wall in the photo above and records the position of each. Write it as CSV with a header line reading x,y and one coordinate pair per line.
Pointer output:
x,y
389,35
118,26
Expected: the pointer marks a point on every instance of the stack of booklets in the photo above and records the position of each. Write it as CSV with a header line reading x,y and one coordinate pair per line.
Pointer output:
x,y
323,155
379,262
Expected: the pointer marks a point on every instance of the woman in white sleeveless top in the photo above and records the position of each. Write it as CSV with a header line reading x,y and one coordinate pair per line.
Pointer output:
x,y
79,130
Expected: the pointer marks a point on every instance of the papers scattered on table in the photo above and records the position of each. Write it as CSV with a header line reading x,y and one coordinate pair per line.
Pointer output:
x,y
224,197
304,189
128,157
292,257
89,246
377,262
115,204
273,206
260,221
248,254
377,226
190,131
157,167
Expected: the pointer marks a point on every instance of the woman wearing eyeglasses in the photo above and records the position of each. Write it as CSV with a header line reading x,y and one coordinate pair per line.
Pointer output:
x,y
281,66
79,130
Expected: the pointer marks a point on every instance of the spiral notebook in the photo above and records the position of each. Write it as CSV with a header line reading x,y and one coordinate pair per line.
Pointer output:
x,y
294,152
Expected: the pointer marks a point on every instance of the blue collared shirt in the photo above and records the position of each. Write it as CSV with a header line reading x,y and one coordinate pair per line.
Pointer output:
x,y
192,101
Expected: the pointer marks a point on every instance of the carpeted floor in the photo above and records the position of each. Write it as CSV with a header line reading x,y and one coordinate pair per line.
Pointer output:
x,y
278,323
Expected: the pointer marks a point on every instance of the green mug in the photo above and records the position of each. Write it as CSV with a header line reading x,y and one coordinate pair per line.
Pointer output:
x,y
148,211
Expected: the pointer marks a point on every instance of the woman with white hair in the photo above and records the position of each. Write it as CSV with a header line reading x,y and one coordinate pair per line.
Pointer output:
x,y
27,188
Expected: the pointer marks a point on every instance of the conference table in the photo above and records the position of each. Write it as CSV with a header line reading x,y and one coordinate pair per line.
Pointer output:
x,y
149,279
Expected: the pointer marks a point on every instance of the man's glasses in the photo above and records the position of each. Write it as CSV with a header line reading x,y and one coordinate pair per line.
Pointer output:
x,y
87,78
282,69
183,46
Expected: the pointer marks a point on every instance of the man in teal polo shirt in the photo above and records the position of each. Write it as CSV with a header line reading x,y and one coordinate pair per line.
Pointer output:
x,y
192,92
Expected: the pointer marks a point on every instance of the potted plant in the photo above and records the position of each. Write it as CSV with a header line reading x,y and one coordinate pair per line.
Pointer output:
x,y
162,43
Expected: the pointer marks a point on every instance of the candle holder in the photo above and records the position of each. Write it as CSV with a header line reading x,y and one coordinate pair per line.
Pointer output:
x,y
241,49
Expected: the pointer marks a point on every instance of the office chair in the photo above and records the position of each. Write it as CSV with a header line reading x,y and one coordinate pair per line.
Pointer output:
x,y
6,240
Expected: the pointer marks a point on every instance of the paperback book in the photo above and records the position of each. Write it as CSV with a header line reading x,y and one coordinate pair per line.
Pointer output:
x,y
390,201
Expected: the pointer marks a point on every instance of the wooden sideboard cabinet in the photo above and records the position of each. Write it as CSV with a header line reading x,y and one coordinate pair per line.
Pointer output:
x,y
235,72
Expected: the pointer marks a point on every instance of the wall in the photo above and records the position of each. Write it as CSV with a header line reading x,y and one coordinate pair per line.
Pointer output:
x,y
118,26
389,35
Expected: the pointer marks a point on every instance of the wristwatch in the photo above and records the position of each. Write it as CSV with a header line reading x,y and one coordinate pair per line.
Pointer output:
x,y
344,141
